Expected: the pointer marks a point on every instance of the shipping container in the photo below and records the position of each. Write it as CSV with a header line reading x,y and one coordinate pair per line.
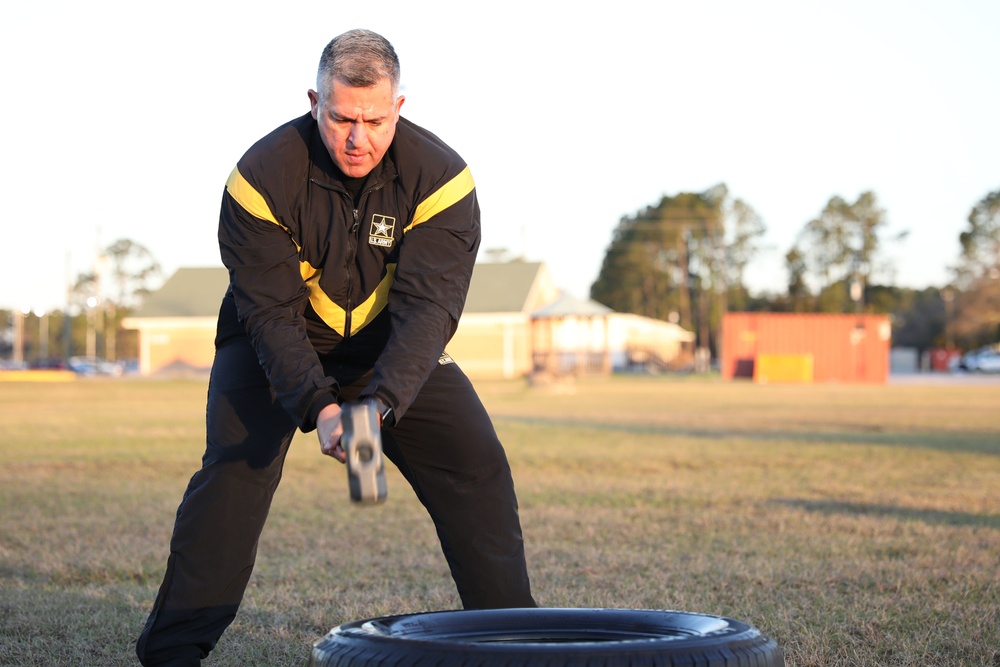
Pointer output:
x,y
834,347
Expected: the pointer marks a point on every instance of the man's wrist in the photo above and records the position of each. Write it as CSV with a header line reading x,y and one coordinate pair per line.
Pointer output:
x,y
320,402
384,410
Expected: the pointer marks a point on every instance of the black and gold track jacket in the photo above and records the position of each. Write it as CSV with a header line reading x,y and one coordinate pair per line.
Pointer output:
x,y
315,279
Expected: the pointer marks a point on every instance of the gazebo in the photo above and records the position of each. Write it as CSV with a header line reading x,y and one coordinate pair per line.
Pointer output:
x,y
570,336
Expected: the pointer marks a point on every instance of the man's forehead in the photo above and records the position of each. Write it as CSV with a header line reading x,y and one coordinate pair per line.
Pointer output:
x,y
381,87
374,101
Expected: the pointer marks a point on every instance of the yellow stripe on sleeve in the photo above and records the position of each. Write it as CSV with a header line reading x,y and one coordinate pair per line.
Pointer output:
x,y
247,197
252,201
449,193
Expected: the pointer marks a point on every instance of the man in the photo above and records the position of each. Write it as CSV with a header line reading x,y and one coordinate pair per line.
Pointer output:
x,y
350,235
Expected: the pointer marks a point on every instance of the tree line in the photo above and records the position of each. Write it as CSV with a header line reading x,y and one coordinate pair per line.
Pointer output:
x,y
122,275
684,260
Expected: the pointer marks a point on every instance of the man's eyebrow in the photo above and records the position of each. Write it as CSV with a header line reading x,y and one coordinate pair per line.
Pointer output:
x,y
340,117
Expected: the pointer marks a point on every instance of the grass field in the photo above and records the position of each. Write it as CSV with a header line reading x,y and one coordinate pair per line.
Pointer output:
x,y
856,525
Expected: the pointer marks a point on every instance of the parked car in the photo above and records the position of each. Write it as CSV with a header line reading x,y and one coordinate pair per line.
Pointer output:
x,y
90,366
988,362
983,360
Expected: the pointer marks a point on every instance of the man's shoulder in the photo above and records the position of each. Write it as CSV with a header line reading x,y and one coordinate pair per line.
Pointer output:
x,y
415,145
280,150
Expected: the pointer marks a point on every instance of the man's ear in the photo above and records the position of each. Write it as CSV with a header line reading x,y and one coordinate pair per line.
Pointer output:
x,y
314,103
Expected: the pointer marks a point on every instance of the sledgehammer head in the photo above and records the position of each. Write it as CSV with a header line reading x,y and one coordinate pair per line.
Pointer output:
x,y
362,443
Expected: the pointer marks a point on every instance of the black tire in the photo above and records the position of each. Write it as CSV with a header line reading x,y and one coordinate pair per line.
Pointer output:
x,y
547,638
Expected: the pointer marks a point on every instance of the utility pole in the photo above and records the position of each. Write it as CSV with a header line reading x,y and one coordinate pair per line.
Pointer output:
x,y
17,356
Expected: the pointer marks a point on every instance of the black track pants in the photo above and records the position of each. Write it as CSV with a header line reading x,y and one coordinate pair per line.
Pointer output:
x,y
445,446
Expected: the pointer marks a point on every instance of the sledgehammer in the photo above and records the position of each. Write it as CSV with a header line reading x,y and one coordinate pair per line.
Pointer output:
x,y
362,443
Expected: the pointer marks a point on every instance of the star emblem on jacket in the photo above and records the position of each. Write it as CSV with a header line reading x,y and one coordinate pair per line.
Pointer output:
x,y
381,230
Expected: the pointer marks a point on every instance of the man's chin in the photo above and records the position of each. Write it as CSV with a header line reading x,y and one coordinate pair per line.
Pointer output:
x,y
355,170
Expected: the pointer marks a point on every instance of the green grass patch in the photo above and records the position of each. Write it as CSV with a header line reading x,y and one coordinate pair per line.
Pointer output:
x,y
857,525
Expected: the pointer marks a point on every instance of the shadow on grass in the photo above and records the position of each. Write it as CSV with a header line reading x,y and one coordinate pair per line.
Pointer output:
x,y
973,443
929,516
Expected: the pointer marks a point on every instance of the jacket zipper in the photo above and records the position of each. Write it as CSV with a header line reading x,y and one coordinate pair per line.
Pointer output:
x,y
353,245
352,256
352,241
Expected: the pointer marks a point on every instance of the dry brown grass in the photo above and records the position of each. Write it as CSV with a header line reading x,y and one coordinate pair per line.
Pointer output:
x,y
857,525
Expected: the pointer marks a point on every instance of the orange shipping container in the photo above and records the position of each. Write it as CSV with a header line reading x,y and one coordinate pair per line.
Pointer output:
x,y
844,348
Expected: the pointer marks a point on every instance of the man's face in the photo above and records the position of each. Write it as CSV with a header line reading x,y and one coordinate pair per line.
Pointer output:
x,y
357,124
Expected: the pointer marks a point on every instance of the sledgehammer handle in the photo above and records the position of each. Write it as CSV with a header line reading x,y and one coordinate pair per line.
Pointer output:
x,y
362,442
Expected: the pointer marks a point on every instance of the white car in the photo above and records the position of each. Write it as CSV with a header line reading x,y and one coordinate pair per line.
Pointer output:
x,y
983,360
988,362
90,366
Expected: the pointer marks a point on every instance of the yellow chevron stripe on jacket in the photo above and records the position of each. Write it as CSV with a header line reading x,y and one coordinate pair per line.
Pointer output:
x,y
333,315
453,191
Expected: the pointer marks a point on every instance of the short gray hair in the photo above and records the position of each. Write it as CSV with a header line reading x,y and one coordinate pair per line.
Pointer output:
x,y
360,58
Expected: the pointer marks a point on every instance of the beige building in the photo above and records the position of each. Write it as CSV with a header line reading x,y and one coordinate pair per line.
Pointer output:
x,y
176,324
516,323
494,335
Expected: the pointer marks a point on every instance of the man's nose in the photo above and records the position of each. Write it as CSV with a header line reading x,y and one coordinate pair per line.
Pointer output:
x,y
359,134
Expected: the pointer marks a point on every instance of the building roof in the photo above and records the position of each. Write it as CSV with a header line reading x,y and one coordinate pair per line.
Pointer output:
x,y
501,287
197,292
190,292
568,305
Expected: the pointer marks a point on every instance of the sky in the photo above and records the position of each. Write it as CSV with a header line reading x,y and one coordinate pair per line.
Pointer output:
x,y
123,119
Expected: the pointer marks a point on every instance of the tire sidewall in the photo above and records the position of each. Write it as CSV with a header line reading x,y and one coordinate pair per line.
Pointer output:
x,y
647,637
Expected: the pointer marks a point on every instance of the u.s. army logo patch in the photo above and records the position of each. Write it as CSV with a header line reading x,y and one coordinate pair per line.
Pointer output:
x,y
381,230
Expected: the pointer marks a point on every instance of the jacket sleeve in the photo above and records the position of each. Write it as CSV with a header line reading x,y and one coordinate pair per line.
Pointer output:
x,y
432,278
263,262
